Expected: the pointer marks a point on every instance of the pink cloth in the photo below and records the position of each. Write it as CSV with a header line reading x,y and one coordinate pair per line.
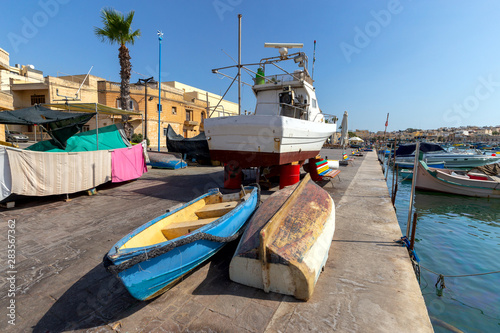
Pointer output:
x,y
127,163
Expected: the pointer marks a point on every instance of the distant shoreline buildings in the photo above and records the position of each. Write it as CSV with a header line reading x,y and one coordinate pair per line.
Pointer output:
x,y
443,134
184,107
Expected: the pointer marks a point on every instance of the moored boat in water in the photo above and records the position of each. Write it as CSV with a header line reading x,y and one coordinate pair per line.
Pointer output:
x,y
286,243
150,259
448,181
433,153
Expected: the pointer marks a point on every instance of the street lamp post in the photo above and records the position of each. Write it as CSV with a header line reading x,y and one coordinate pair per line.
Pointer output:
x,y
145,83
160,37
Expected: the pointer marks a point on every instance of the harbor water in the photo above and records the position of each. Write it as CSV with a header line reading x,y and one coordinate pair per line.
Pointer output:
x,y
456,235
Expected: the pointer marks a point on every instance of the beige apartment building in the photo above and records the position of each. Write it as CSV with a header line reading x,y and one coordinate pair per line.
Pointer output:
x,y
224,108
183,111
184,107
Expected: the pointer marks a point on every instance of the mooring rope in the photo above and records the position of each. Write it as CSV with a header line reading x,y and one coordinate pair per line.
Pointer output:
x,y
440,280
417,266
115,269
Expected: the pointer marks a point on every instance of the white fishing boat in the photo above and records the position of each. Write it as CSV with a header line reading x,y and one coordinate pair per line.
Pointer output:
x,y
434,153
287,125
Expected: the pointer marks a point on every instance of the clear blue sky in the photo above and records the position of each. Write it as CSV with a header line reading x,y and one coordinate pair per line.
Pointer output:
x,y
427,63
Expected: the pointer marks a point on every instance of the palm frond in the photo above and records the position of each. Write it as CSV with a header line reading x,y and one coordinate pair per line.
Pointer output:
x,y
117,27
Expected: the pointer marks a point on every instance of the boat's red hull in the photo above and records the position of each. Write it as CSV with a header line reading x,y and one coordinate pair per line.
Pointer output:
x,y
256,159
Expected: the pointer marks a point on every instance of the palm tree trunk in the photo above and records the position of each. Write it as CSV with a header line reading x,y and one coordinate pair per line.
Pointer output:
x,y
126,68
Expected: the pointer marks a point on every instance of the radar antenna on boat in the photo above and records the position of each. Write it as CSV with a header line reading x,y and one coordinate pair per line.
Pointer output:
x,y
283,47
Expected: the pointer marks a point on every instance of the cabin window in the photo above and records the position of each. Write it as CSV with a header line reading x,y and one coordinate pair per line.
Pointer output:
x,y
189,115
314,103
174,110
37,99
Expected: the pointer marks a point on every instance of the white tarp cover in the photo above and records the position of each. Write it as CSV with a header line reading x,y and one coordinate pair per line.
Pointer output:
x,y
42,173
5,177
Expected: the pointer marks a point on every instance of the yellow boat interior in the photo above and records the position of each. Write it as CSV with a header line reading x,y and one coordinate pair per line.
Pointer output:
x,y
186,220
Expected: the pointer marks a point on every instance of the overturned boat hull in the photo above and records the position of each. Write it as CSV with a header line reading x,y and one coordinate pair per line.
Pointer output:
x,y
286,243
164,160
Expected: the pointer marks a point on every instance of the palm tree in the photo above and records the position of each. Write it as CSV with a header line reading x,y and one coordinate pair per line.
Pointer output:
x,y
117,29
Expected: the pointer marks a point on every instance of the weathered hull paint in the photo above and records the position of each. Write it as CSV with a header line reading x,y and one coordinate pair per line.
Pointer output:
x,y
286,243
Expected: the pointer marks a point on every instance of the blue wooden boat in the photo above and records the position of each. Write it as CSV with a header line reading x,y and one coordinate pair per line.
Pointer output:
x,y
153,257
166,160
409,165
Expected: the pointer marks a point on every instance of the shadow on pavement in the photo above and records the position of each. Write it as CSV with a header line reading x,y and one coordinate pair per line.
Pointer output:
x,y
97,299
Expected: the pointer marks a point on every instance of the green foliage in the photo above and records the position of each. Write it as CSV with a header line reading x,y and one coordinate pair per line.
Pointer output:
x,y
351,134
117,30
137,138
117,27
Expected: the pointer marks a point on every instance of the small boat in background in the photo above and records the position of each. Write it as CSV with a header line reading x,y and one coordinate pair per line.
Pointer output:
x,y
449,181
191,148
406,174
286,243
433,152
150,259
166,160
409,165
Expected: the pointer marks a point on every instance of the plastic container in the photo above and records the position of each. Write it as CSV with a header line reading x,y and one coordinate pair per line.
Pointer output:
x,y
259,78
333,164
233,176
289,175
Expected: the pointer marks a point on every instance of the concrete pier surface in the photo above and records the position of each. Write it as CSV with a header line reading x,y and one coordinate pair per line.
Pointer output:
x,y
368,284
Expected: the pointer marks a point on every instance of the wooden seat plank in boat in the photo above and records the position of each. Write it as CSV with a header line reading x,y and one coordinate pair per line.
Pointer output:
x,y
216,210
179,229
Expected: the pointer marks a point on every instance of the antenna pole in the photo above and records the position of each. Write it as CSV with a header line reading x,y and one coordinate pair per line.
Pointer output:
x,y
160,37
314,60
76,95
239,64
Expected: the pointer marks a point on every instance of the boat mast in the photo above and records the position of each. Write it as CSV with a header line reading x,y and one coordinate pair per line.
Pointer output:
x,y
239,64
314,60
386,123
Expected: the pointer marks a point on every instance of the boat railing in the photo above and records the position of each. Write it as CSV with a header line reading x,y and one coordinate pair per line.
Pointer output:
x,y
330,118
279,78
298,112
223,112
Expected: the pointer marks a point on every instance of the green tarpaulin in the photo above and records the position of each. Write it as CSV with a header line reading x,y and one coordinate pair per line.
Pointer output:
x,y
110,137
60,125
